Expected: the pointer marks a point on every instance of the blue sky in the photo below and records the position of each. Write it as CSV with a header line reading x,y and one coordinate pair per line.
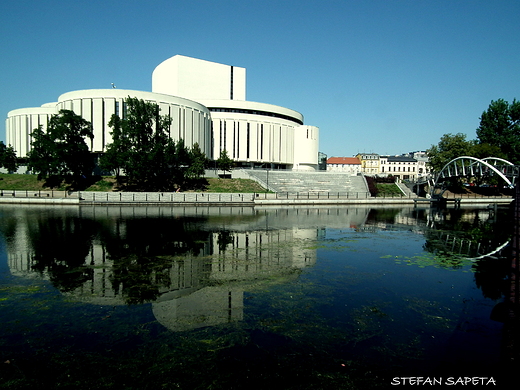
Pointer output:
x,y
382,76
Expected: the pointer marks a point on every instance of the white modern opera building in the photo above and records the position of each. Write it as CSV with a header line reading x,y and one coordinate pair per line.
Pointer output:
x,y
207,104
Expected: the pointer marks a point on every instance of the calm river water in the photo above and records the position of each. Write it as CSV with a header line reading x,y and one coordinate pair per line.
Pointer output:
x,y
236,298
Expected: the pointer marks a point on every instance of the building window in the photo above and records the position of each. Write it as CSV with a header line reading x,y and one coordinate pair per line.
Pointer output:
x,y
261,141
220,136
255,112
231,85
234,138
248,140
225,141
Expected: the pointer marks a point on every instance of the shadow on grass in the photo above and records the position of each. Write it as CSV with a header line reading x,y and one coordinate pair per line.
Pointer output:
x,y
122,184
69,183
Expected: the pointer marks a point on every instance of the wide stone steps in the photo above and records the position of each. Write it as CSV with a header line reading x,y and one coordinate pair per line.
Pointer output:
x,y
324,182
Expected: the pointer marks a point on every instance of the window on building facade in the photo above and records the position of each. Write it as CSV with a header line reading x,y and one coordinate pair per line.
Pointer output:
x,y
261,141
248,139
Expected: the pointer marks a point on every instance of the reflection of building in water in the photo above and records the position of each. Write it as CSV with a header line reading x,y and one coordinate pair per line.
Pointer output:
x,y
244,256
202,261
208,306
199,288
256,254
233,248
228,256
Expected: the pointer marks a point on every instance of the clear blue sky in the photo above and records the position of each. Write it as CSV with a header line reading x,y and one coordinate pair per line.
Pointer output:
x,y
382,76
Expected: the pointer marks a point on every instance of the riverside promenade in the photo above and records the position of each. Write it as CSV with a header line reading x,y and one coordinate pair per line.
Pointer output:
x,y
88,198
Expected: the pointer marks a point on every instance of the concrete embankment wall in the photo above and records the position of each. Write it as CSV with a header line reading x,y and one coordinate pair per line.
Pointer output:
x,y
215,199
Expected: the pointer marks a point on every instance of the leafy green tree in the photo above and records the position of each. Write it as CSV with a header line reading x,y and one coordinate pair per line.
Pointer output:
x,y
143,150
486,150
450,146
500,127
61,150
198,163
139,145
181,162
117,152
40,158
224,162
8,158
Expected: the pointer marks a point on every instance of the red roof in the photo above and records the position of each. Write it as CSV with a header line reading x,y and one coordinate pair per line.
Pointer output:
x,y
344,160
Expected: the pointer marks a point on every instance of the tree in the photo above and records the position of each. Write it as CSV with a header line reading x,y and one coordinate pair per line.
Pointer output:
x,y
116,154
450,146
486,150
8,158
500,127
143,149
61,150
198,162
224,162
139,144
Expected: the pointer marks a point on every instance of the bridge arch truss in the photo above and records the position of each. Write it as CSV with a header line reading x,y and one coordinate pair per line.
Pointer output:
x,y
467,166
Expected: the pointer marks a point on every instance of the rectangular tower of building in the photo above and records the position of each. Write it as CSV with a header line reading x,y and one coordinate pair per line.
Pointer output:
x,y
196,79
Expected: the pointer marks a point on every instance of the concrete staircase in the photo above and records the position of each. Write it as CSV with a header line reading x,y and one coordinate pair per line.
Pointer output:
x,y
406,190
313,182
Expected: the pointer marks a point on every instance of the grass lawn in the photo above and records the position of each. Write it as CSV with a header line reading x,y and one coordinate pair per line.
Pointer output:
x,y
108,183
233,185
20,182
388,189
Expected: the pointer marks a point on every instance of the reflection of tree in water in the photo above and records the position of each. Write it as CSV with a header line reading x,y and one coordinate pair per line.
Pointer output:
x,y
225,238
382,215
8,227
60,247
490,276
143,252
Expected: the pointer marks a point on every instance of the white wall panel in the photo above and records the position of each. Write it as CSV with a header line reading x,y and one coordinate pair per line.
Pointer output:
x,y
98,124
77,107
110,109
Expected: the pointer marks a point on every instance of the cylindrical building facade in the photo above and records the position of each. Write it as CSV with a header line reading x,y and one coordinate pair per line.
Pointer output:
x,y
260,134
191,121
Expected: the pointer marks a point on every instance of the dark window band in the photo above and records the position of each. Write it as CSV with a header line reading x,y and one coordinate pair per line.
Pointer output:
x,y
255,112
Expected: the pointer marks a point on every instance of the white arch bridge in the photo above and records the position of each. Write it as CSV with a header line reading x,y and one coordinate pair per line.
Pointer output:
x,y
466,166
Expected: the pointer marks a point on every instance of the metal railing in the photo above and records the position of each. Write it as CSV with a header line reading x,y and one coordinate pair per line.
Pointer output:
x,y
475,196
204,197
312,195
37,194
165,197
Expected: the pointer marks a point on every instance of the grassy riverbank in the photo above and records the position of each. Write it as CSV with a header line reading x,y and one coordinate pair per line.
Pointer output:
x,y
108,183
388,190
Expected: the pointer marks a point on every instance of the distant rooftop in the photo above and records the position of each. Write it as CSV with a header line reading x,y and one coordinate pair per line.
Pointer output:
x,y
344,160
399,159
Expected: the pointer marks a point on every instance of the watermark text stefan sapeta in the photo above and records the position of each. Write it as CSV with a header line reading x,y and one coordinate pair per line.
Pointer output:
x,y
444,381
